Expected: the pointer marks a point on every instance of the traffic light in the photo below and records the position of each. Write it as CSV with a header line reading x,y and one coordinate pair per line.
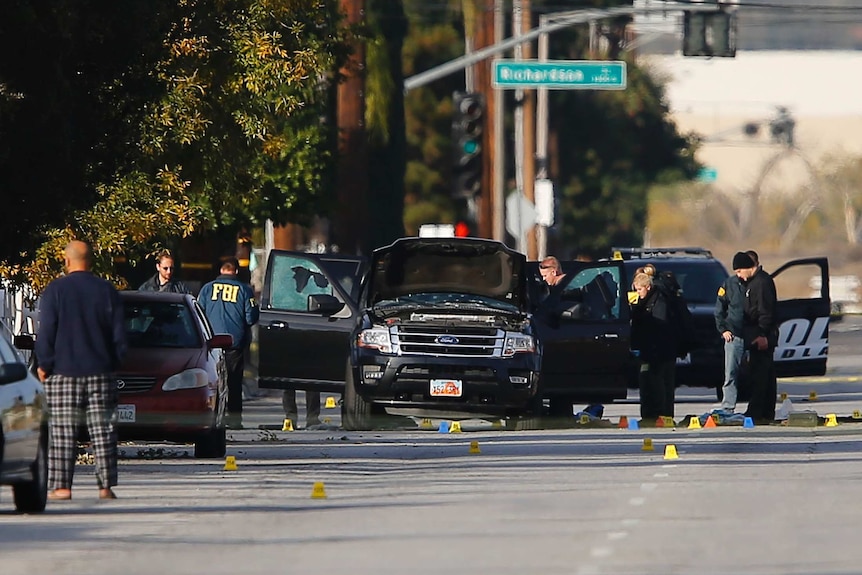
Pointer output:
x,y
467,129
709,34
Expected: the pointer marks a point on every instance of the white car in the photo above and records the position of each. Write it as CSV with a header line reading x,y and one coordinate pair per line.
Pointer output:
x,y
23,431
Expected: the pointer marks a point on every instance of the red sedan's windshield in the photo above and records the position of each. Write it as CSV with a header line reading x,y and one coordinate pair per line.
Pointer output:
x,y
160,324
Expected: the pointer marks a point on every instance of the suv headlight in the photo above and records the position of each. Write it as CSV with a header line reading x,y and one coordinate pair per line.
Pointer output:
x,y
188,379
518,343
375,338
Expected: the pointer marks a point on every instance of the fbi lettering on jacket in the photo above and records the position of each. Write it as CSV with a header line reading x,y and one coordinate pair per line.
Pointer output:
x,y
225,292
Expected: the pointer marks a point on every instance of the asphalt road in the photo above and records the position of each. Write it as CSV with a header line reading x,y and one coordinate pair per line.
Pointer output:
x,y
767,500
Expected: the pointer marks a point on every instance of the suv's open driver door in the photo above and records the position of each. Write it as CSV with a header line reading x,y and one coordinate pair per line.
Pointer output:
x,y
307,314
584,332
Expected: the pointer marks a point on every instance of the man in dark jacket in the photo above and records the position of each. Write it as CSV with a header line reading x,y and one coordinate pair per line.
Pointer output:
x,y
230,307
81,342
729,307
163,280
656,343
760,333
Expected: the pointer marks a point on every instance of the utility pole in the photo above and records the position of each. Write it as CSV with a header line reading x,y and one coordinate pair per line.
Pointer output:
x,y
528,105
498,185
484,37
350,229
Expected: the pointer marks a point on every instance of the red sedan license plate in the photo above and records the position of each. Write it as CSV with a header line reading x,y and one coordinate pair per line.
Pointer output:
x,y
446,388
126,413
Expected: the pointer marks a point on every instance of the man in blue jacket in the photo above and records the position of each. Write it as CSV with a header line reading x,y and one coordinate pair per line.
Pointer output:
x,y
230,307
81,342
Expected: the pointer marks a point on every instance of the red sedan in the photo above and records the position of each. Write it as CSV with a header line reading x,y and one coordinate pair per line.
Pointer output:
x,y
173,383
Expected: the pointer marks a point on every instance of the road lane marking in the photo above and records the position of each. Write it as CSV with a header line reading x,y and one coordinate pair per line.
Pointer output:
x,y
601,551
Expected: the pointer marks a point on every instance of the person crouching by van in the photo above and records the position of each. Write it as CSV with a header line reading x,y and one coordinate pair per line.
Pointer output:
x,y
655,341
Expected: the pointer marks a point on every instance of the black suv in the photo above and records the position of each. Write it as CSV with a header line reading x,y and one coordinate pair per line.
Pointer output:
x,y
441,325
804,322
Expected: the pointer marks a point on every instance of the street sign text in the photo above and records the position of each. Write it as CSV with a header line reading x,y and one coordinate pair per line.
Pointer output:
x,y
560,74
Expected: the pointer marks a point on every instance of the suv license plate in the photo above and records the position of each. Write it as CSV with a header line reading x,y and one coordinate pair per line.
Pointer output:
x,y
446,388
684,360
126,413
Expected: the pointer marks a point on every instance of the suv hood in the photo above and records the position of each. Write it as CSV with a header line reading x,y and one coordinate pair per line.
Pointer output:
x,y
440,265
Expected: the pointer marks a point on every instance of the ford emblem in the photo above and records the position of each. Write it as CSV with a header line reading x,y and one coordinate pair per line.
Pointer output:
x,y
121,384
446,339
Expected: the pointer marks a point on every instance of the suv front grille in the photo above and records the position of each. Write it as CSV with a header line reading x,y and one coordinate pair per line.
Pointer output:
x,y
423,373
446,340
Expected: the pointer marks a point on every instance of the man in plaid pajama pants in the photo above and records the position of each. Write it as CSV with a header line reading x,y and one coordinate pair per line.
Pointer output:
x,y
79,345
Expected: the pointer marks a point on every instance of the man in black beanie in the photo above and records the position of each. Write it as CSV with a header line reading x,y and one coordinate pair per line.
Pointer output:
x,y
760,333
729,308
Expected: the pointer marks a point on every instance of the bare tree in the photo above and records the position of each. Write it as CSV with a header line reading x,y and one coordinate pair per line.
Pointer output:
x,y
843,182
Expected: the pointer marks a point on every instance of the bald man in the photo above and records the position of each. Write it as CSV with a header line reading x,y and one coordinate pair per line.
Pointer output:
x,y
79,345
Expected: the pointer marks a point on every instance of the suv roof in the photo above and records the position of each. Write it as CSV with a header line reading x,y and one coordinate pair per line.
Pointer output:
x,y
697,271
620,253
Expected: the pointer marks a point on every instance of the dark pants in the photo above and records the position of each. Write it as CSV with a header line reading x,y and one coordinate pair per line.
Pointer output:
x,y
235,364
312,406
764,386
657,381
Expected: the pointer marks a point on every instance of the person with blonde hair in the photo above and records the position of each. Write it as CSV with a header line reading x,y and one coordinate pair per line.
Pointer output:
x,y
654,340
551,271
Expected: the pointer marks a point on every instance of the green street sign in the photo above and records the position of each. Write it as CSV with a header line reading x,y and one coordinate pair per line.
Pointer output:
x,y
559,74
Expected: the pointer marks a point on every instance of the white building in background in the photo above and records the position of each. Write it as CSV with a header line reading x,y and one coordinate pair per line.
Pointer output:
x,y
718,97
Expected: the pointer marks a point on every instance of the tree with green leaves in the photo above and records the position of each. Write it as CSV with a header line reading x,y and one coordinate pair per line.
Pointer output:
x,y
162,118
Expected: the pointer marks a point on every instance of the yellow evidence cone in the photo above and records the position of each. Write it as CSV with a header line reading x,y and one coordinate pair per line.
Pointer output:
x,y
230,463
783,396
670,452
474,447
426,424
318,491
857,414
647,445
831,420
455,427
812,396
694,422
288,425
330,403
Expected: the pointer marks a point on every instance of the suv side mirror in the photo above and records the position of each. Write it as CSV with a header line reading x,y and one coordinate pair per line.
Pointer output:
x,y
324,304
576,312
